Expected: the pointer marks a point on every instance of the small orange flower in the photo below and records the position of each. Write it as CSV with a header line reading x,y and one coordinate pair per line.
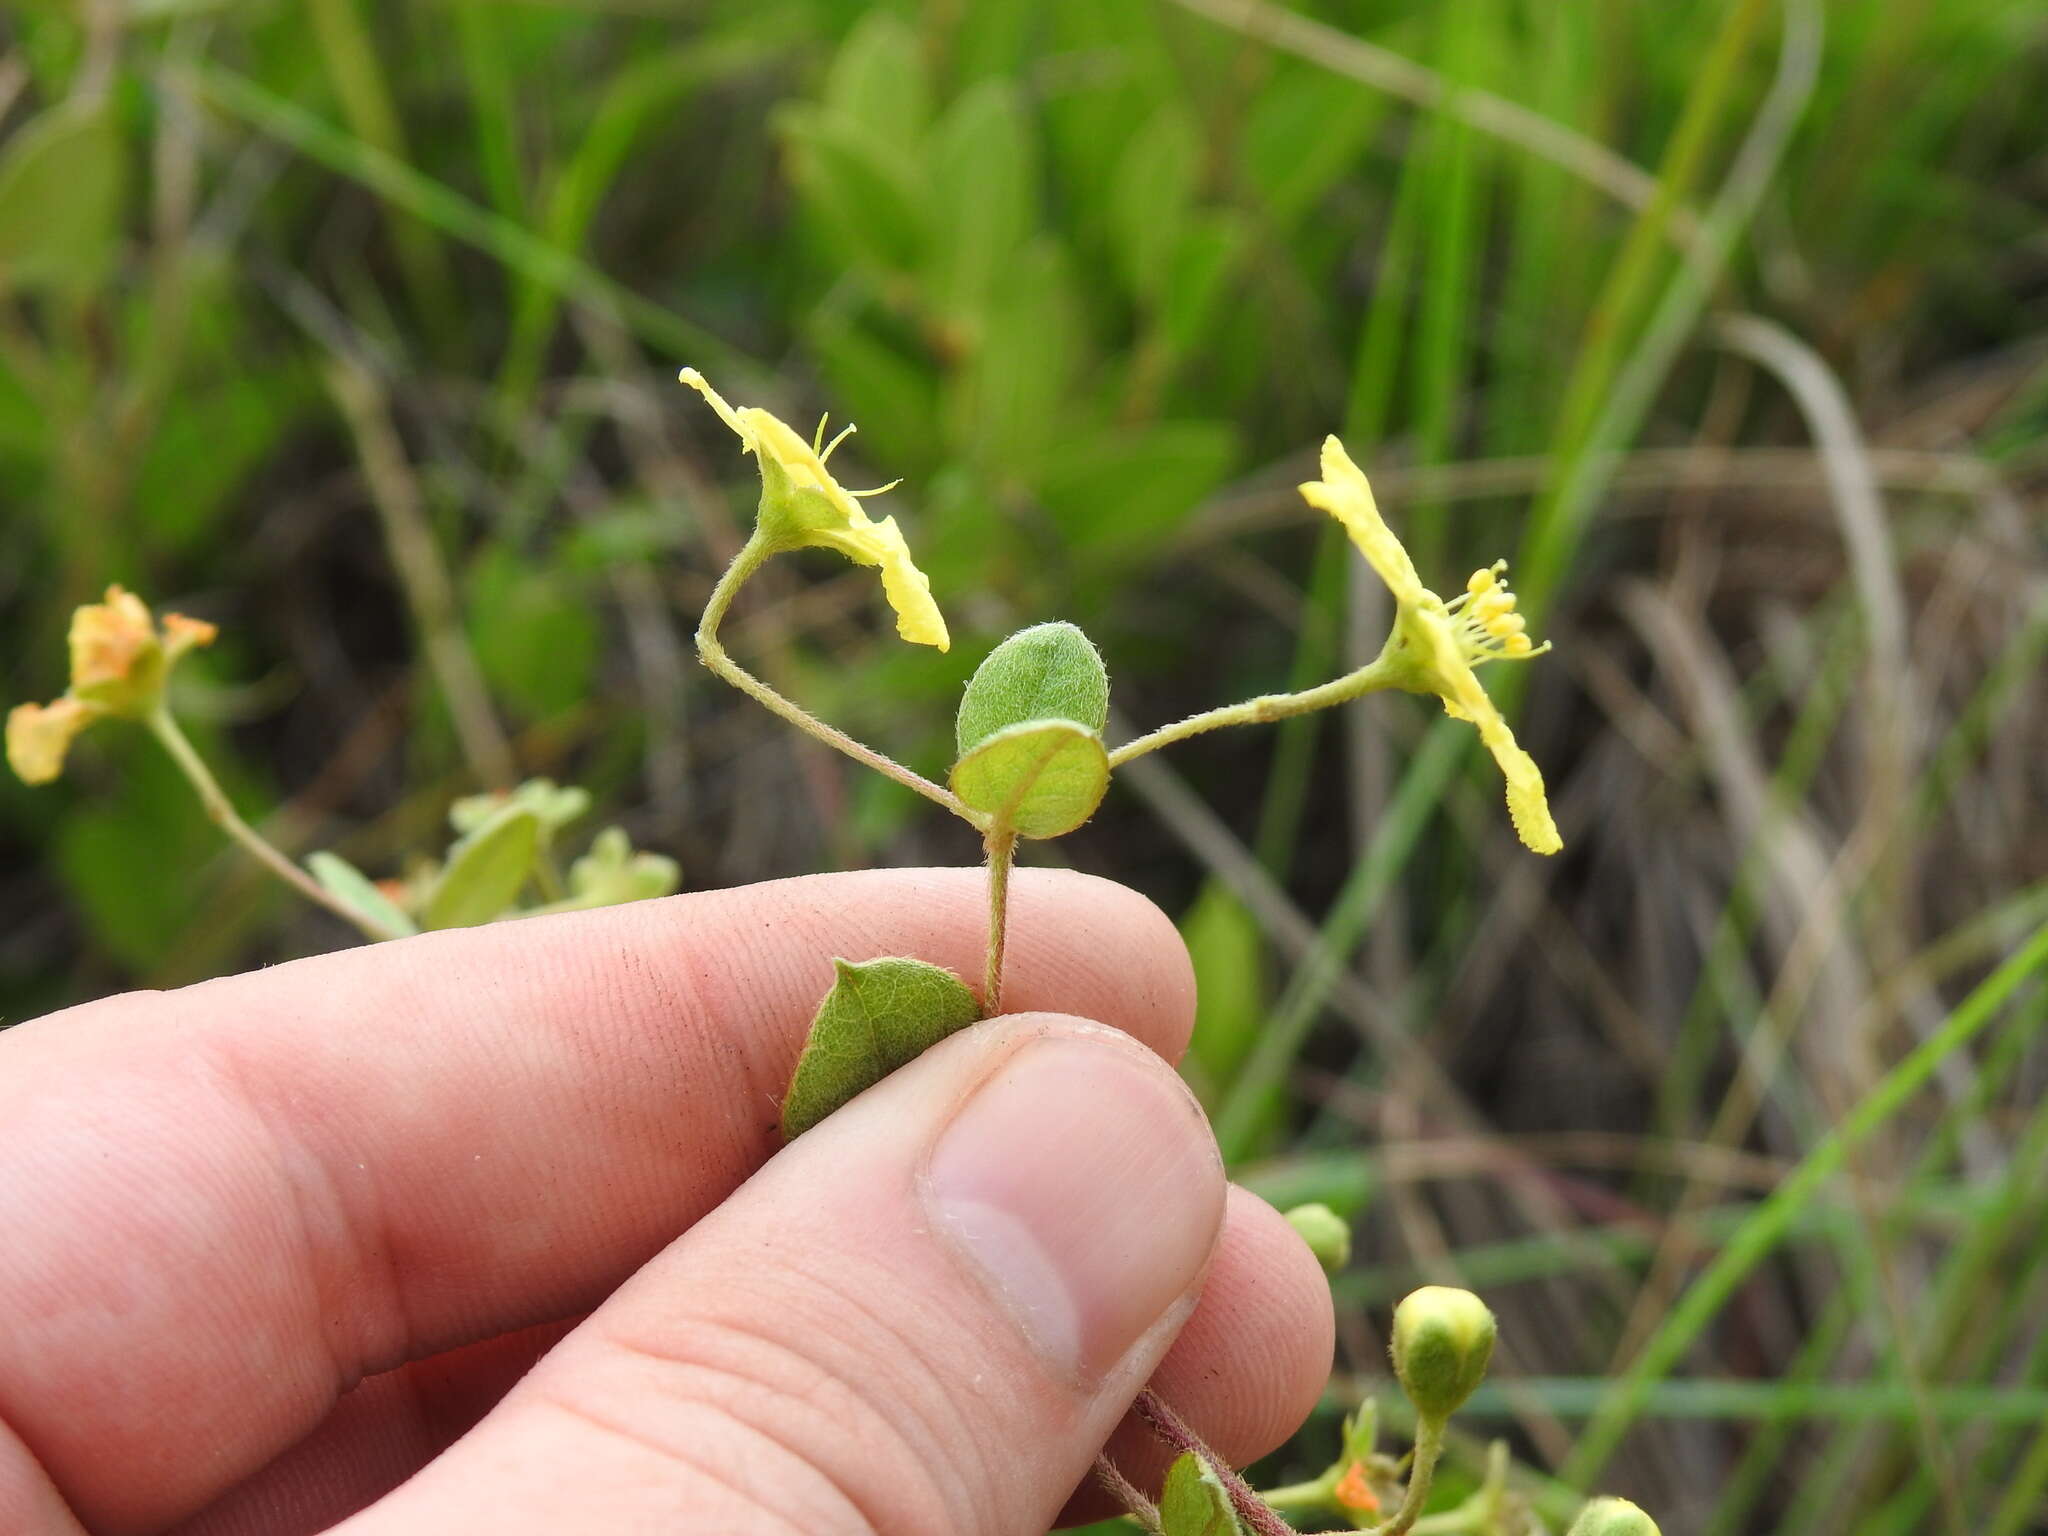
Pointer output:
x,y
1354,1493
119,662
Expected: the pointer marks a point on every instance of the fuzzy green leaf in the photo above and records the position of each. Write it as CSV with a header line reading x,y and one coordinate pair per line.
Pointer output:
x,y
349,885
1046,672
1039,779
879,1015
1195,1503
611,873
486,870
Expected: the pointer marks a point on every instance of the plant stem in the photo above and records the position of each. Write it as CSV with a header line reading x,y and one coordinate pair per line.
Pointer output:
x,y
1370,678
713,654
1172,1430
1002,853
1120,1488
224,815
1429,1444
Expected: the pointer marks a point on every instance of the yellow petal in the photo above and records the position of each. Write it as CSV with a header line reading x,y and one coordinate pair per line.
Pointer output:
x,y
907,588
1465,699
110,639
38,736
1346,495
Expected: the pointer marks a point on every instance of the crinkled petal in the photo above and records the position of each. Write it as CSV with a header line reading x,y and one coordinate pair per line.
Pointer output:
x,y
1346,495
1465,699
907,588
39,735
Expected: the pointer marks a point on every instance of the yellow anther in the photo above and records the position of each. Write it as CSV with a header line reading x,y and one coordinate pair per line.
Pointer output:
x,y
1519,644
1479,580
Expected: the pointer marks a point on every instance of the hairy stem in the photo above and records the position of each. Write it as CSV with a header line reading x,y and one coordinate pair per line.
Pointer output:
x,y
1002,853
224,815
1120,1488
1372,677
1258,1517
1429,1444
714,656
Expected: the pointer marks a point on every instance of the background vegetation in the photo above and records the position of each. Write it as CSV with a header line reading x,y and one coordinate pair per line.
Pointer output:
x,y
353,328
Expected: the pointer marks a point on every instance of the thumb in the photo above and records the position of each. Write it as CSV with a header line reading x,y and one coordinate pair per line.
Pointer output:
x,y
926,1315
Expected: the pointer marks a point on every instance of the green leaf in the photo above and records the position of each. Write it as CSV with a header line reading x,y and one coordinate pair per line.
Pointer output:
x,y
611,873
1042,778
985,180
61,181
486,870
1156,180
1046,672
1229,957
555,805
878,1016
354,889
1117,495
877,80
866,191
1194,1501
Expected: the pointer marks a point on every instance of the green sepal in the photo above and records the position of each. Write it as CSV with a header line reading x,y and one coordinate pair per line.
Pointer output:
x,y
1194,1501
879,1015
611,873
1042,778
486,870
792,516
358,892
1046,672
1612,1517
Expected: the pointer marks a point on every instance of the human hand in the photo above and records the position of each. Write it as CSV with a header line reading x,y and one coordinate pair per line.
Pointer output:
x,y
275,1244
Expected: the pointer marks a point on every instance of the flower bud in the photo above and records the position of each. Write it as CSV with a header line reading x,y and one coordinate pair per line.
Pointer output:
x,y
1327,1234
1612,1517
1442,1341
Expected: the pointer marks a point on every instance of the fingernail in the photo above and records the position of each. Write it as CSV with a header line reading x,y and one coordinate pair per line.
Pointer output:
x,y
1083,1184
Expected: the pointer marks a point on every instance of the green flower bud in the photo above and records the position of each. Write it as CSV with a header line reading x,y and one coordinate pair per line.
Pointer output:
x,y
1327,1234
1442,1341
1612,1517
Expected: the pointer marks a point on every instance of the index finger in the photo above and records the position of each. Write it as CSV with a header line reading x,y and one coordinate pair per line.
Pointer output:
x,y
232,1202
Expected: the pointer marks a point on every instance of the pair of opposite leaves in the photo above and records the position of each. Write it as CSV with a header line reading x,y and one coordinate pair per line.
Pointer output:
x,y
1032,764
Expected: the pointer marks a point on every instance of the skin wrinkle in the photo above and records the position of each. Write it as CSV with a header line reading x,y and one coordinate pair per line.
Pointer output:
x,y
437,1223
812,1392
336,1244
675,1456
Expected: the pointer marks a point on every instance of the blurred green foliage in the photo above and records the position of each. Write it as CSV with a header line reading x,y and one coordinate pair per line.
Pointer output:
x,y
1093,278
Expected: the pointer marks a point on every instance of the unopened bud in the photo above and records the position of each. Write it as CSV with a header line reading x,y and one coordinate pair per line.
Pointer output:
x,y
1442,1341
1612,1517
1327,1234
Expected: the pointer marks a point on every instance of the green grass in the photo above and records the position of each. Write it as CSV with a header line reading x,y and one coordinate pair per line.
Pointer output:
x,y
1094,279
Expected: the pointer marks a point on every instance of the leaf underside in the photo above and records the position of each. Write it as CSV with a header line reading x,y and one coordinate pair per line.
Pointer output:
x,y
879,1015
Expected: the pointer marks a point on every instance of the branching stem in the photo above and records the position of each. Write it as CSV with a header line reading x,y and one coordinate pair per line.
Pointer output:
x,y
1429,1444
745,563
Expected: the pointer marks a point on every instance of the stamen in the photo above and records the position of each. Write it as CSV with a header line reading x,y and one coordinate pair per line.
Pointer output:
x,y
878,490
844,433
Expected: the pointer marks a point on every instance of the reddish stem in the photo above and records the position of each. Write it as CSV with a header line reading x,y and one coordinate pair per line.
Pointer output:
x,y
1258,1516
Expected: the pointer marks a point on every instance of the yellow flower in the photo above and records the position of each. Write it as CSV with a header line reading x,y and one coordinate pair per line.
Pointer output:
x,y
1437,645
119,661
803,506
